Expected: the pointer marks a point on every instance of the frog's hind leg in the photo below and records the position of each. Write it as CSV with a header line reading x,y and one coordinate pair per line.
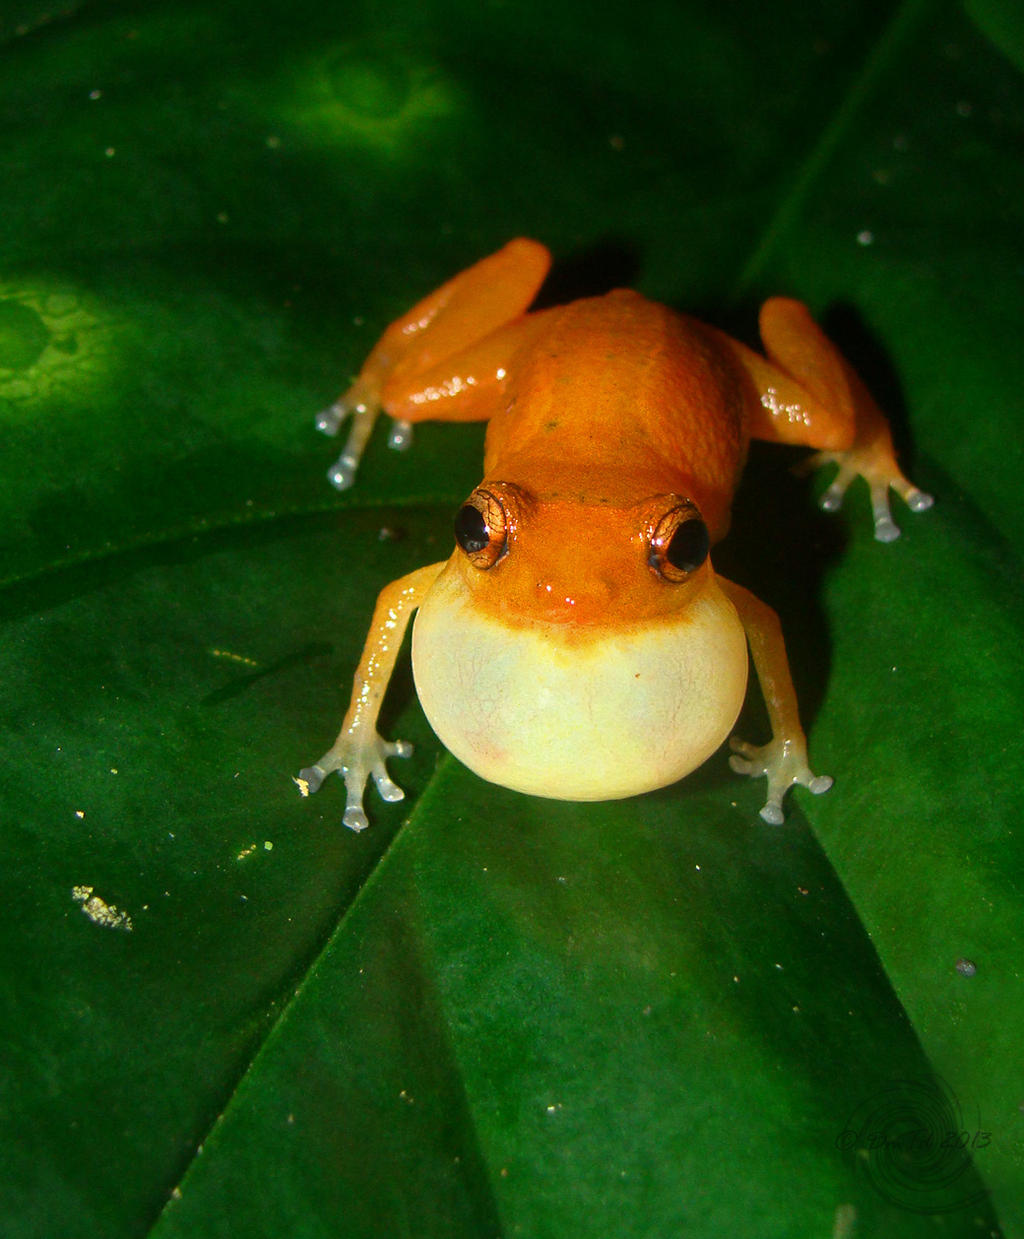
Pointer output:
x,y
449,322
797,345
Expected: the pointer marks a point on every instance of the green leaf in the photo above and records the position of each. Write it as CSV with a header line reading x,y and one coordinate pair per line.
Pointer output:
x,y
224,1014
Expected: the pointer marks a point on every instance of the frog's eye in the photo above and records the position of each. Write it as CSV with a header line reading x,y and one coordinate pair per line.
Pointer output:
x,y
481,529
679,544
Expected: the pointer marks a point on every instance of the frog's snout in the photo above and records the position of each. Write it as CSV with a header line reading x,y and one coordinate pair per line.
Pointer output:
x,y
557,603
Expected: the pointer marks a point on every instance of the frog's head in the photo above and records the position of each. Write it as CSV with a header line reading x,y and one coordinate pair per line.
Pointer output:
x,y
581,650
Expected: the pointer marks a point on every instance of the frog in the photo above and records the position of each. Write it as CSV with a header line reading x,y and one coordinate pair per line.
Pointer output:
x,y
578,643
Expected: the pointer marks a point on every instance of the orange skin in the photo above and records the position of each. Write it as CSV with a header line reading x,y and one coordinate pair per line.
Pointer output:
x,y
607,418
577,405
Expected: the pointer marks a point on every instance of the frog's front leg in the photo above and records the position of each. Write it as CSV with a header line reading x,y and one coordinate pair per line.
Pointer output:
x,y
359,752
783,760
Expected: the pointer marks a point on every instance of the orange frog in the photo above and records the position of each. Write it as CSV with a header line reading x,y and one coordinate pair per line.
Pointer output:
x,y
578,644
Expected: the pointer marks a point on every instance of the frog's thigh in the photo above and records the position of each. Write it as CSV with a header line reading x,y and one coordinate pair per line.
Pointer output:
x,y
782,410
468,308
464,387
797,345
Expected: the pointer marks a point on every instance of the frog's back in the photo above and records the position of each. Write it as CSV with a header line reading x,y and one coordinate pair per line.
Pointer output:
x,y
615,398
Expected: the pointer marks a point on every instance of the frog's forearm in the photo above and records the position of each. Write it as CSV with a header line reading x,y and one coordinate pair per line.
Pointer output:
x,y
768,651
395,606
359,752
784,759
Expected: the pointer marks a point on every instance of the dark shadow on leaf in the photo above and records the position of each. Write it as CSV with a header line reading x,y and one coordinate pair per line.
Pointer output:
x,y
309,653
611,263
846,327
64,582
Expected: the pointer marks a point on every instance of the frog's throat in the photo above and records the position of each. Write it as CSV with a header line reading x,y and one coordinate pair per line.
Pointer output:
x,y
629,710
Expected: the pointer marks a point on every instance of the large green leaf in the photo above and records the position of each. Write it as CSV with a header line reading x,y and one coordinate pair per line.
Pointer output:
x,y
490,1014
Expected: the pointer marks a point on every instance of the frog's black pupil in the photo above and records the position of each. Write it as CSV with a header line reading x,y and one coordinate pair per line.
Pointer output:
x,y
471,529
688,547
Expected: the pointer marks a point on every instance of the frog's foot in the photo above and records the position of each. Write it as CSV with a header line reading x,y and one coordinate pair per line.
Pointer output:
x,y
784,763
362,403
400,437
357,762
881,474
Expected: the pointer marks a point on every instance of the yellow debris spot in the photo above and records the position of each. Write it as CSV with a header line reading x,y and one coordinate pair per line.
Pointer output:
x,y
301,784
246,852
99,911
235,658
